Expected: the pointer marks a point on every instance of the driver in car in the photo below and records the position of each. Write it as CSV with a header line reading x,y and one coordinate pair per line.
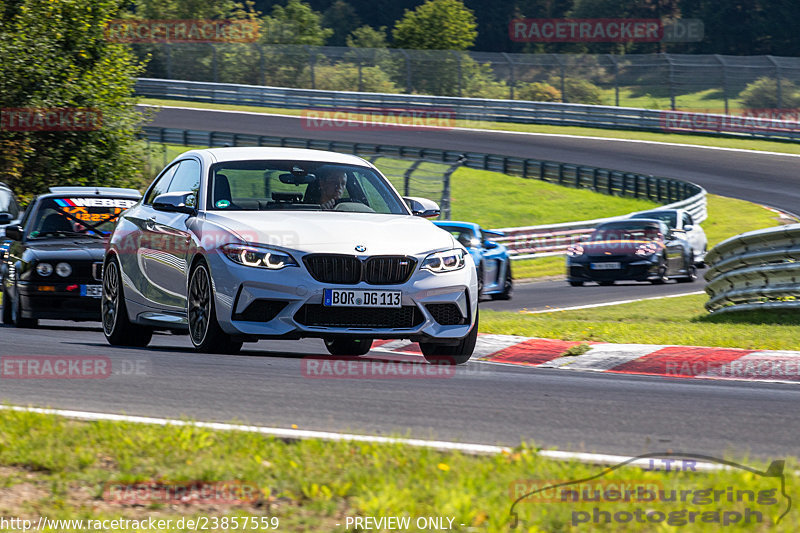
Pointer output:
x,y
332,185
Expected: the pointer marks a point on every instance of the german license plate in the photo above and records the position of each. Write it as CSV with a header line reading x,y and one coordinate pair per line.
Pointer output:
x,y
606,266
93,291
360,298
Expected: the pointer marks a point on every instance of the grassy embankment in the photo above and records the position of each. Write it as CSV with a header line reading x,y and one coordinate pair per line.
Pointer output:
x,y
64,469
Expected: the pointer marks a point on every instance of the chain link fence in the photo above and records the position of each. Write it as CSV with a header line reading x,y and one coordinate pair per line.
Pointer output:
x,y
658,81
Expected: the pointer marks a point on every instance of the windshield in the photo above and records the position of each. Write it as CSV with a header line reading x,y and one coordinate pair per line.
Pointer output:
x,y
8,204
626,234
670,218
306,185
92,216
465,236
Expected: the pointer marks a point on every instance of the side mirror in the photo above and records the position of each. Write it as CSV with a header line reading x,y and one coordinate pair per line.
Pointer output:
x,y
5,218
688,227
422,207
489,245
14,232
676,234
176,202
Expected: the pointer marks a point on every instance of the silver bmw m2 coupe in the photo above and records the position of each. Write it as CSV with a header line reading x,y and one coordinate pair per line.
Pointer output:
x,y
234,245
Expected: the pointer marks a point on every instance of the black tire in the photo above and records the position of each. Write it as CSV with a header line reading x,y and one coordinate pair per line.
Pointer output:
x,y
701,264
340,346
16,312
576,283
6,307
457,354
204,330
662,276
117,326
691,272
508,286
606,283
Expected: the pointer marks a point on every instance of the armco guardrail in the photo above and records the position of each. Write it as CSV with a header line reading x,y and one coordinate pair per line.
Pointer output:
x,y
755,270
473,109
556,237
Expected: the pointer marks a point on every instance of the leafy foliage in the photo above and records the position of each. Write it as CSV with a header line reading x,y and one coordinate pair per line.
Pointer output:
x,y
437,25
295,23
538,92
55,55
367,37
763,94
579,91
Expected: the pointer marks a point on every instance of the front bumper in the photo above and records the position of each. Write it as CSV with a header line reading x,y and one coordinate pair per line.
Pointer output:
x,y
637,269
57,301
259,304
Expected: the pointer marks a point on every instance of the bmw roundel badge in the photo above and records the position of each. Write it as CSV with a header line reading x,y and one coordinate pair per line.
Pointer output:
x,y
361,248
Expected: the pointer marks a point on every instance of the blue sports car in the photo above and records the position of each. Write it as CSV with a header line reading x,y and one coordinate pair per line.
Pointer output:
x,y
491,258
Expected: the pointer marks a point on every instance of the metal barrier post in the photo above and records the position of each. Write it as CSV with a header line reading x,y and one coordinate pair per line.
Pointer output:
x,y
724,80
778,92
407,177
445,207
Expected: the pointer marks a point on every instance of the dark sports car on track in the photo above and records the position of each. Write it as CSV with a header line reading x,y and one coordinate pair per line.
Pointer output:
x,y
52,260
639,250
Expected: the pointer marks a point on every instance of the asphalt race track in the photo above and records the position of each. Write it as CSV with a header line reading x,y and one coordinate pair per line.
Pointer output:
x,y
482,403
544,295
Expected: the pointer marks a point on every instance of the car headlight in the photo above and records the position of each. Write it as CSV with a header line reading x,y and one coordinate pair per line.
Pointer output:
x,y
447,261
645,250
63,269
258,256
574,250
44,269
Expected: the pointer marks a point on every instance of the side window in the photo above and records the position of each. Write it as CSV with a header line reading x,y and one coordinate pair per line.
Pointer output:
x,y
687,219
160,186
187,178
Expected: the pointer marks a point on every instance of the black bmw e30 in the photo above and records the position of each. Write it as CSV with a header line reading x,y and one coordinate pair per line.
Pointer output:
x,y
52,260
638,250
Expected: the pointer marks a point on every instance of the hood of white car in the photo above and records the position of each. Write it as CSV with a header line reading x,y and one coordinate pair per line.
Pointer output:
x,y
336,232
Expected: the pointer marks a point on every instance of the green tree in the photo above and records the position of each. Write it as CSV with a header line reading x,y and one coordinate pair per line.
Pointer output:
x,y
55,55
367,37
342,18
295,23
436,25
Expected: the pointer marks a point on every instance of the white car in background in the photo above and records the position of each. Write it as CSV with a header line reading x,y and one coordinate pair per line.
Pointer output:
x,y
234,245
682,221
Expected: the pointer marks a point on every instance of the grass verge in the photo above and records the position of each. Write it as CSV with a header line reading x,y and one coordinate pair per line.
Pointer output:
x,y
63,469
678,138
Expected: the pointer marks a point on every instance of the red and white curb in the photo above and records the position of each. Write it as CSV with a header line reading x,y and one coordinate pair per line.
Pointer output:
x,y
696,362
